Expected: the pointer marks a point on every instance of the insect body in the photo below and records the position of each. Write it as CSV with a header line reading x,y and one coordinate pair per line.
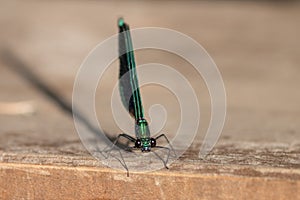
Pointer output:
x,y
131,98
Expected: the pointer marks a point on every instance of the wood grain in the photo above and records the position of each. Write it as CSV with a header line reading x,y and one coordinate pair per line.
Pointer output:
x,y
256,48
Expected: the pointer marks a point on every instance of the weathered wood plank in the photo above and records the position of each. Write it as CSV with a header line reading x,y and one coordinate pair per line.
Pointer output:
x,y
57,182
255,46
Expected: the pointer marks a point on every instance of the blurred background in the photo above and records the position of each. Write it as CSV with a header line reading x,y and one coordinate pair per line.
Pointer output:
x,y
255,44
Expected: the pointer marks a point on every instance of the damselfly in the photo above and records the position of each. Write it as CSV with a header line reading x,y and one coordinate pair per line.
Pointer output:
x,y
131,99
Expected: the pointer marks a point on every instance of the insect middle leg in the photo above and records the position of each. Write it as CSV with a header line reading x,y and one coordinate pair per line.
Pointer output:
x,y
164,161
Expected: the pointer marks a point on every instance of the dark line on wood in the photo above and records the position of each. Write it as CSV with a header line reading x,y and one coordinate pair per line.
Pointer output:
x,y
27,74
22,69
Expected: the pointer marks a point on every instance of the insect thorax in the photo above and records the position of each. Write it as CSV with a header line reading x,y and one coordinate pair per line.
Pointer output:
x,y
142,129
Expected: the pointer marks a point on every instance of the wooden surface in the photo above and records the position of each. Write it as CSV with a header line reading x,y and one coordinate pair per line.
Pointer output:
x,y
256,47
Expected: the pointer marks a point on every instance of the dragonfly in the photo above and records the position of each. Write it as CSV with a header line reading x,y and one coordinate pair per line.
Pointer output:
x,y
131,99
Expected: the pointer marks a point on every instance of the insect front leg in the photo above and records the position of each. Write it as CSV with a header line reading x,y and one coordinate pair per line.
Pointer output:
x,y
121,160
124,135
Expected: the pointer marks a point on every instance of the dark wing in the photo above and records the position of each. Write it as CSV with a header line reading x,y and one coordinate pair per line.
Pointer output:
x,y
128,84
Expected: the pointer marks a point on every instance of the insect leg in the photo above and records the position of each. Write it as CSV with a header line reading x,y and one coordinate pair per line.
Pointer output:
x,y
124,135
121,160
164,136
164,161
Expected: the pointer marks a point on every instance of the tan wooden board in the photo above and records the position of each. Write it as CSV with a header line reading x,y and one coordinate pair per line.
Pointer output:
x,y
256,48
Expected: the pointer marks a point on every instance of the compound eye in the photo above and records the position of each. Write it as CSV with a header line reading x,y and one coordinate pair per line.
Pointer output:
x,y
137,143
153,142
